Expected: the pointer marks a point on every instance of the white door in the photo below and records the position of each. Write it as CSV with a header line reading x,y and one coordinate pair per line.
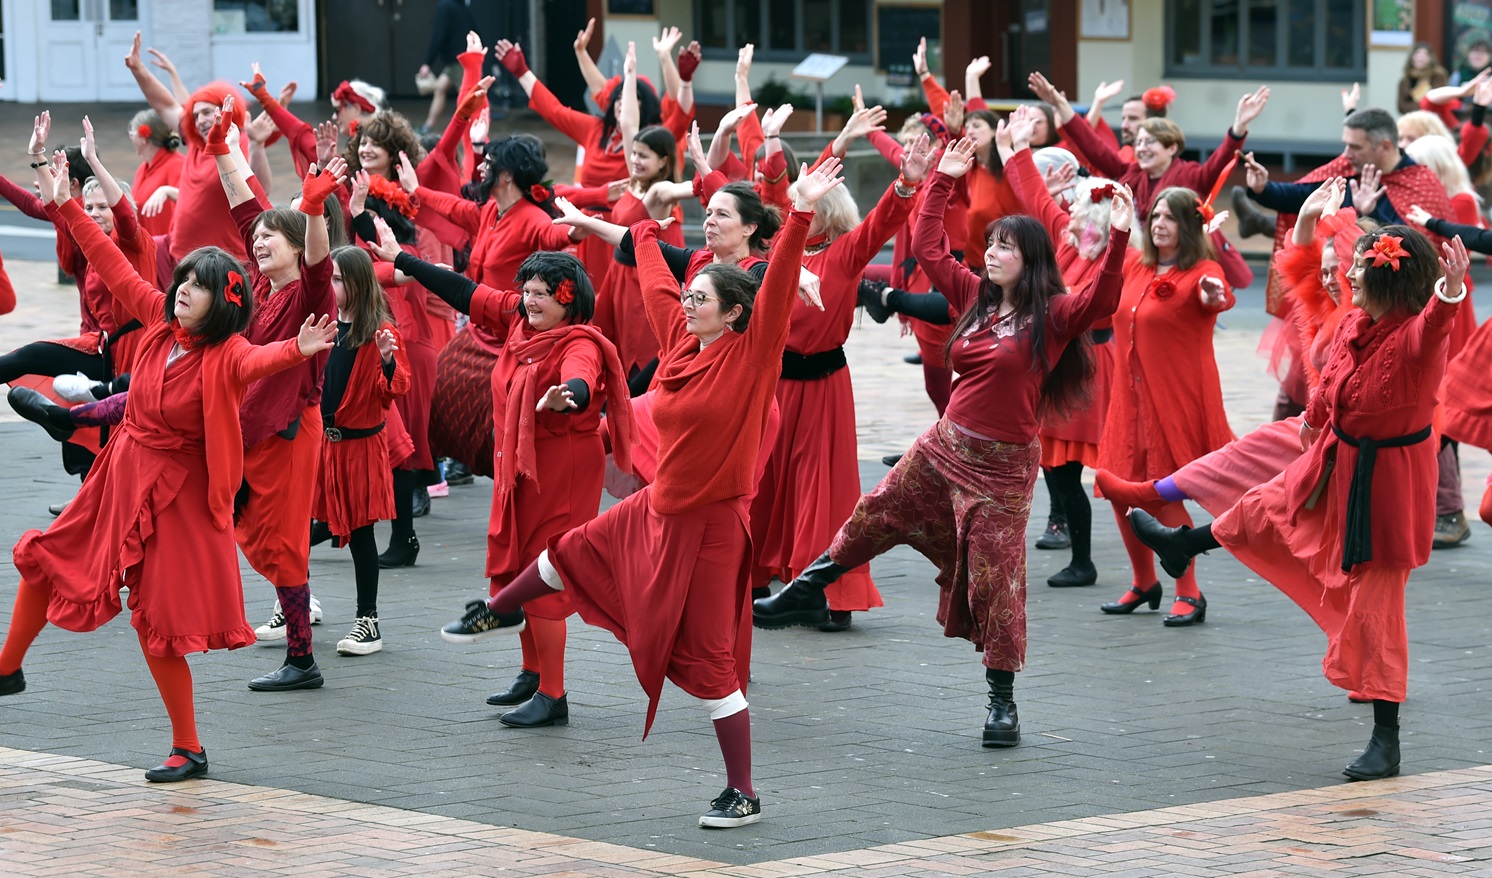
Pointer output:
x,y
83,47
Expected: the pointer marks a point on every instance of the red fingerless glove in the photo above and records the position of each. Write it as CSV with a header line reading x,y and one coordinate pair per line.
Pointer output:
x,y
314,191
688,63
217,138
259,91
472,104
514,62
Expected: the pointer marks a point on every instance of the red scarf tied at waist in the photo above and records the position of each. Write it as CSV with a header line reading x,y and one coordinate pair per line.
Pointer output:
x,y
517,453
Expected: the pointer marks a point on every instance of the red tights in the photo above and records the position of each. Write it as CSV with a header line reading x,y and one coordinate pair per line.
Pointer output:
x,y
543,643
1142,560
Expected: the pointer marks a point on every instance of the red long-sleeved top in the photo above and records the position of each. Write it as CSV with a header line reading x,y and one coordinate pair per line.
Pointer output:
x,y
711,403
500,241
162,170
1104,159
992,368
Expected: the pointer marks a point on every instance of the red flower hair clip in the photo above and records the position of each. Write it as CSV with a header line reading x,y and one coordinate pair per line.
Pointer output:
x,y
539,192
1205,209
1387,250
143,132
1158,98
1099,193
565,292
231,291
352,128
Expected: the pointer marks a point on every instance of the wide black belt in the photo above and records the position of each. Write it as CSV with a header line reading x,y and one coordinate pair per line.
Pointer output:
x,y
812,367
1357,542
341,434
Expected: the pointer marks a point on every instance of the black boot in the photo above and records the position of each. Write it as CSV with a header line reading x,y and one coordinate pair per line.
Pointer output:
x,y
541,710
1381,759
839,620
872,297
523,689
320,532
1251,220
401,553
1003,727
802,602
421,502
1171,545
10,684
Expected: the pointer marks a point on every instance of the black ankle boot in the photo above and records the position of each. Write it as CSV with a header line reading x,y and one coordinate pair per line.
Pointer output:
x,y
11,684
402,552
802,602
1166,542
523,689
1380,759
1003,727
539,711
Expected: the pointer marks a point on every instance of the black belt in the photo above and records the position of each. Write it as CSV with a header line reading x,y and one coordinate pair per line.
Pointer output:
x,y
1357,542
1101,336
340,434
812,367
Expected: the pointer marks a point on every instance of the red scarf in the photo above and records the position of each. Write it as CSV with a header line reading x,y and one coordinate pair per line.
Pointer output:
x,y
517,452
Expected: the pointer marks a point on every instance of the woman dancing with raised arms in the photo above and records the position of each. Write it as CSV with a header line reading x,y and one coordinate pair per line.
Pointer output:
x,y
666,570
160,499
962,495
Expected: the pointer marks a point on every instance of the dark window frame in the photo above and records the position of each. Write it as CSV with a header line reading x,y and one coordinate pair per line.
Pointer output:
x,y
726,10
1318,72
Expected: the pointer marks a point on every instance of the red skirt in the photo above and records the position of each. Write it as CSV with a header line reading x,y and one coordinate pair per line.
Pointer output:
x,y
461,410
357,484
1076,439
672,588
274,525
964,504
414,406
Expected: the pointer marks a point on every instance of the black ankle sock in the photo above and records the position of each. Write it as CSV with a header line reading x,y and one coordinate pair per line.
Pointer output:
x,y
1199,539
1386,713
365,569
304,662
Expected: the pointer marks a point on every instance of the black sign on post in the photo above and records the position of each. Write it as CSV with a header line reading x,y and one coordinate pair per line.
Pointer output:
x,y
631,7
898,30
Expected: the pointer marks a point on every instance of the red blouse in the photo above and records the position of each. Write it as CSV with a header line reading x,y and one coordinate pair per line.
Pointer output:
x,y
162,170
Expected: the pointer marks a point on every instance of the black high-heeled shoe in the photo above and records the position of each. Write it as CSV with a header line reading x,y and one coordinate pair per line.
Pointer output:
x,y
1195,617
1121,607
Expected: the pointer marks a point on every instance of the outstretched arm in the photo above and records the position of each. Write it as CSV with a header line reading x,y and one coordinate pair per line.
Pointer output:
x,y
595,80
157,95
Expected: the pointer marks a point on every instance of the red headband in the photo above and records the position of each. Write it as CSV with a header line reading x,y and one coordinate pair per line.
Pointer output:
x,y
346,94
1099,193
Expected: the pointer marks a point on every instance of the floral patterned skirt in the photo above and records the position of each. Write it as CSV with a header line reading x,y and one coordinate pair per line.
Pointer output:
x,y
963,502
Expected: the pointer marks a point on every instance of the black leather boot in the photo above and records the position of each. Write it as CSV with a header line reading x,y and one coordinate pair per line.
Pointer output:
x,y
802,602
539,711
1167,543
1003,727
523,689
402,552
1381,759
11,684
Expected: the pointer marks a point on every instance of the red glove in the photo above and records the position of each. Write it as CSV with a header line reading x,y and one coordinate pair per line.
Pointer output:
x,y
473,103
217,138
314,191
514,62
688,63
258,90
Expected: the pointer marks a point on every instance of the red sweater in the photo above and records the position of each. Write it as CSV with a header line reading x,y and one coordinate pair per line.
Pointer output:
x,y
997,393
163,170
711,404
202,214
101,311
1105,161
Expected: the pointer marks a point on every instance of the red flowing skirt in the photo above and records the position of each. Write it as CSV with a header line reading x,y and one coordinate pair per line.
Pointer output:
x,y
274,526
357,484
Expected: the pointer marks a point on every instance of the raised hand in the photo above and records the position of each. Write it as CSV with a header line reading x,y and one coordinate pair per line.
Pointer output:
x,y
978,67
696,151
919,58
256,86
1107,91
360,183
510,56
958,158
1215,223
1366,189
387,248
1315,203
857,100
730,121
583,38
317,335
864,121
629,63
387,343
156,202
217,138
1212,291
570,215
41,129
774,119
1022,126
1059,178
90,152
814,185
916,159
481,124
159,59
287,92
474,42
1049,93
317,187
1350,97
1418,215
1122,210
558,398
689,58
326,141
1256,176
1338,196
475,99
743,60
1249,108
62,189
664,43
261,128
953,113
132,60
407,176
1454,261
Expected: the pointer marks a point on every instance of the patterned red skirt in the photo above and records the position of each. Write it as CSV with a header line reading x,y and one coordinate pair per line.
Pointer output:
x,y
461,410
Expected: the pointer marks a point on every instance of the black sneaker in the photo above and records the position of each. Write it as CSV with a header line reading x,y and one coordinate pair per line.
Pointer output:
x,y
730,809
421,502
480,622
458,473
1056,536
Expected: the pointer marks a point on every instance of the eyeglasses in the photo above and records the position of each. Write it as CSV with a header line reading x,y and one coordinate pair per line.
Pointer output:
x,y
699,299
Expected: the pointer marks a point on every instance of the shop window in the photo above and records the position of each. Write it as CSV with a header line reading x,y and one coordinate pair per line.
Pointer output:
x,y
785,30
1266,39
256,16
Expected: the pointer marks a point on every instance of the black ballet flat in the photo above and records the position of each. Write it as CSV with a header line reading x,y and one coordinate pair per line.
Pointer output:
x,y
195,766
13,684
1195,617
1151,595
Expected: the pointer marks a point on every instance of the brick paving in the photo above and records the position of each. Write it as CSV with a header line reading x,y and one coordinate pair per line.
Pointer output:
x,y
1214,750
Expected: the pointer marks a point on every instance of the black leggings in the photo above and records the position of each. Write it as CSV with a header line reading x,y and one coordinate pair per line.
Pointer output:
x,y
46,358
1069,500
403,523
365,568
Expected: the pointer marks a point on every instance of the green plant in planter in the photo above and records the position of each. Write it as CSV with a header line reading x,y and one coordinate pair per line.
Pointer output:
x,y
775,93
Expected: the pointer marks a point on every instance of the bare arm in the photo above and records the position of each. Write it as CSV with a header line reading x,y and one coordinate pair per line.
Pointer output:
x,y
595,80
627,119
157,95
663,46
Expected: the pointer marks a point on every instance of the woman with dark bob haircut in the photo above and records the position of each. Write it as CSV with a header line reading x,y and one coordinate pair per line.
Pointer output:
x,y
962,495
1340,530
161,495
549,466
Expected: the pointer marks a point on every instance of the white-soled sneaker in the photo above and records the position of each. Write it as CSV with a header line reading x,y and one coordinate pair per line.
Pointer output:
x,y
274,630
363,639
75,388
730,809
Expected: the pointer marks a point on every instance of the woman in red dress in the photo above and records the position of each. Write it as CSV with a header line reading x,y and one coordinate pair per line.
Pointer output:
x,y
1166,401
161,497
1341,529
650,568
551,465
962,495
365,372
160,170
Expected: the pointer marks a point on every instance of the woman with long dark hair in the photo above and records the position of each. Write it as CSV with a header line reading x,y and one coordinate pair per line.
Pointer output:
x,y
962,495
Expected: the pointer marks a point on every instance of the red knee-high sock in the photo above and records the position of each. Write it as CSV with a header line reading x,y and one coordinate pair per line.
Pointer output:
x,y
1175,515
1141,559
173,677
549,641
734,735
26,621
525,587
1140,494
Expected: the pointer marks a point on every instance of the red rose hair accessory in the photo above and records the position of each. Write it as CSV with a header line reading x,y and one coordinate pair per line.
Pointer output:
x,y
565,292
231,289
1388,250
143,132
1099,193
539,192
352,128
393,195
1158,98
346,94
